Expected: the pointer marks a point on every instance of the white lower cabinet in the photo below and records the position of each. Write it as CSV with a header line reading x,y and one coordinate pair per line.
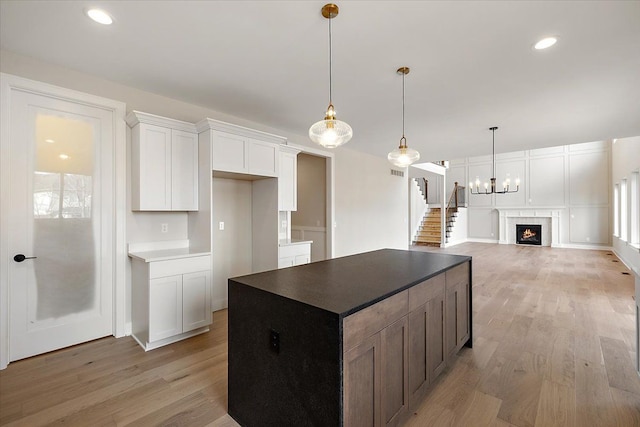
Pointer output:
x,y
295,254
171,300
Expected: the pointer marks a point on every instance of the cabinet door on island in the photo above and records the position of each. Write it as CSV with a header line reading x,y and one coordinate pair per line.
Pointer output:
x,y
426,336
457,310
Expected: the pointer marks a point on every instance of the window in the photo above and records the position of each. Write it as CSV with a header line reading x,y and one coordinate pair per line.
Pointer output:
x,y
61,195
634,204
616,210
623,211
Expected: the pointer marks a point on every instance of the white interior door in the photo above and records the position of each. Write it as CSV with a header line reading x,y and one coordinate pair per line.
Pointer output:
x,y
60,224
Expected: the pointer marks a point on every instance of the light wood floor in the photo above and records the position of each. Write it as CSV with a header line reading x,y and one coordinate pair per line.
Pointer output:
x,y
553,345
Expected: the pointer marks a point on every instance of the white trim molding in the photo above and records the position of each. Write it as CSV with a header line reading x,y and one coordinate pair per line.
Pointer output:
x,y
9,84
553,216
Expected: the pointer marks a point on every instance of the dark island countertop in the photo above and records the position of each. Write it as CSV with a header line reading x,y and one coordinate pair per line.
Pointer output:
x,y
349,284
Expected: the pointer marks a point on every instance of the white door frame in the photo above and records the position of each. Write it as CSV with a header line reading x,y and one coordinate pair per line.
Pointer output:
x,y
8,84
331,191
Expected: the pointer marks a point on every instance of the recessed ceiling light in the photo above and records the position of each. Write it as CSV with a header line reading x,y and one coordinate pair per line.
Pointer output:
x,y
63,156
50,141
545,43
100,16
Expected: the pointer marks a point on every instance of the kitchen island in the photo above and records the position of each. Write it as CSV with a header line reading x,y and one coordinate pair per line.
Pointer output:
x,y
349,341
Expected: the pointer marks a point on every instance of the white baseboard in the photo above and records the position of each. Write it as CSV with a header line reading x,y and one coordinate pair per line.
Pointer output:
x,y
588,247
219,304
474,240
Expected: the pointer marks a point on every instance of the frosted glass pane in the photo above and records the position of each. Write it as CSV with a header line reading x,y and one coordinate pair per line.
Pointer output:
x,y
63,222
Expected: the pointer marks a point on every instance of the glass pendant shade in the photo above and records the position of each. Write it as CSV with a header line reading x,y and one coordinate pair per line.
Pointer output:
x,y
403,156
330,133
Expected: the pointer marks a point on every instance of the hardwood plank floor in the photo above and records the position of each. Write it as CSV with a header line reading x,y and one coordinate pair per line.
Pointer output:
x,y
553,346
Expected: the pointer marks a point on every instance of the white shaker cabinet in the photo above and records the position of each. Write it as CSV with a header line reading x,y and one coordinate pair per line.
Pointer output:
x,y
292,253
164,164
288,179
171,297
240,150
240,154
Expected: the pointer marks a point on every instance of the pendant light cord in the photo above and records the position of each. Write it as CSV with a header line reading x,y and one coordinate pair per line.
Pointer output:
x,y
403,74
330,65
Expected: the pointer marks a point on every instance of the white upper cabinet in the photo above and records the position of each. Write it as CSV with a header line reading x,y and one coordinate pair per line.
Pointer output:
x,y
263,158
230,153
288,179
236,149
164,164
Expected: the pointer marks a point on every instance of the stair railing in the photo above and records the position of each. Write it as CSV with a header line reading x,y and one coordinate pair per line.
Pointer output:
x,y
456,200
423,184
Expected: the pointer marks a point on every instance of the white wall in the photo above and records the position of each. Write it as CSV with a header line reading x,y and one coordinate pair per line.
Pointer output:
x,y
625,161
574,179
232,247
371,204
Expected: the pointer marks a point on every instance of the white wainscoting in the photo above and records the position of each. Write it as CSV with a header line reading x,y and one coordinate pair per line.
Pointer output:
x,y
316,234
548,218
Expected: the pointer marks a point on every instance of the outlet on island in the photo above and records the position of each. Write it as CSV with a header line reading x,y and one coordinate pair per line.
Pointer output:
x,y
274,341
164,228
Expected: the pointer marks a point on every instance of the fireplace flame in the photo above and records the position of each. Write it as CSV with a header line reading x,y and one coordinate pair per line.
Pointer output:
x,y
528,234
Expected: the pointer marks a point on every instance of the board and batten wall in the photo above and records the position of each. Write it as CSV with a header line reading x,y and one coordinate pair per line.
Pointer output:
x,y
574,179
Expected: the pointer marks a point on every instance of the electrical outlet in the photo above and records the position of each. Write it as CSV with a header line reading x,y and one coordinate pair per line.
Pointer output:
x,y
274,341
164,228
221,225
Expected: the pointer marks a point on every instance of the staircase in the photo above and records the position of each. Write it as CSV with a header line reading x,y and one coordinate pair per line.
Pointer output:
x,y
430,230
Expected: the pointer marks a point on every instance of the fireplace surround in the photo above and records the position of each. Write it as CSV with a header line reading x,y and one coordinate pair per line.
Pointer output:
x,y
549,218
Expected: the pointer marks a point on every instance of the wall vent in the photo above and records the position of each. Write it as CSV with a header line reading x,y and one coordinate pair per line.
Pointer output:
x,y
397,173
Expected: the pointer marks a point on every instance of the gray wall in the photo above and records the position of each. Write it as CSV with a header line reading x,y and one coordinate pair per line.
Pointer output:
x,y
576,179
312,189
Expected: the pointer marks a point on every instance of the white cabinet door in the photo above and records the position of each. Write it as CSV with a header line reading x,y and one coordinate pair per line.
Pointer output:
x,y
196,300
165,307
285,262
263,158
230,153
164,169
151,168
302,259
184,171
287,182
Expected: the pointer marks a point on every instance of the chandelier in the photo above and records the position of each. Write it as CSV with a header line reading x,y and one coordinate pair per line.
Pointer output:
x,y
403,156
506,184
330,132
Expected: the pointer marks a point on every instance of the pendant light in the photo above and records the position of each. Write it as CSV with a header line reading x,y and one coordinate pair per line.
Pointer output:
x,y
506,184
403,156
330,132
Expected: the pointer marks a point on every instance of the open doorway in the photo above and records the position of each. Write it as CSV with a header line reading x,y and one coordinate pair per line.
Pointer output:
x,y
309,222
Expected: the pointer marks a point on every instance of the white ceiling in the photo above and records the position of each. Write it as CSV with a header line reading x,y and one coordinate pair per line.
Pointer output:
x,y
472,65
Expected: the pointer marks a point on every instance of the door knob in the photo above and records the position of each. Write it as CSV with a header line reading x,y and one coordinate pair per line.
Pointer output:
x,y
21,257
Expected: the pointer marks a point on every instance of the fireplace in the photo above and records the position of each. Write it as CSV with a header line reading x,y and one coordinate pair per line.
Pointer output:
x,y
529,234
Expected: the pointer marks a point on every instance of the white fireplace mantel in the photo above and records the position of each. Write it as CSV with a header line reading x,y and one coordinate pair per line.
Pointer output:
x,y
548,217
